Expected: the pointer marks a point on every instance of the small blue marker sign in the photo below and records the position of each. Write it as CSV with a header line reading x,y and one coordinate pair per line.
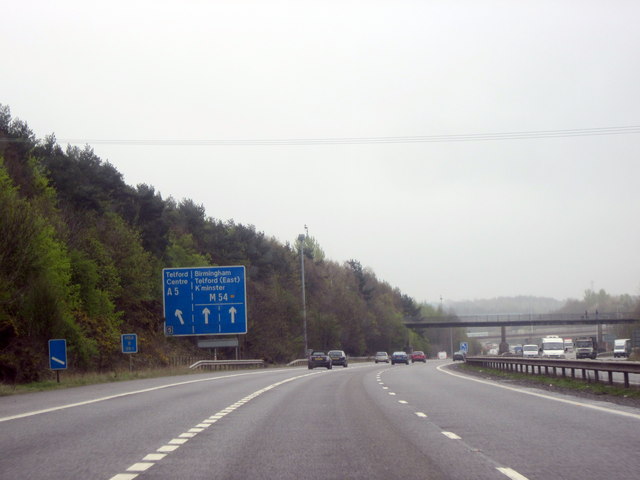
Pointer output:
x,y
129,342
58,354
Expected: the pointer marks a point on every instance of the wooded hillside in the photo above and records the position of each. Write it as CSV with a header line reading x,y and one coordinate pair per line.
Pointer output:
x,y
82,255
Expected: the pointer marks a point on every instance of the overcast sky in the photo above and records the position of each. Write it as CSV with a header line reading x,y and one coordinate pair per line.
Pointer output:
x,y
457,212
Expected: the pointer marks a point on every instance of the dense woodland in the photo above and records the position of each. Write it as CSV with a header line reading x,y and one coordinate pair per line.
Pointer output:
x,y
82,254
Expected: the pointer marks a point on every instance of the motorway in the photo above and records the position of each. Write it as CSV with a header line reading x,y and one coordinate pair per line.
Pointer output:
x,y
366,421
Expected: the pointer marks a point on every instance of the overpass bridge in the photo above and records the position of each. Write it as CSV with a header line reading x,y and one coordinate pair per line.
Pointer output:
x,y
525,319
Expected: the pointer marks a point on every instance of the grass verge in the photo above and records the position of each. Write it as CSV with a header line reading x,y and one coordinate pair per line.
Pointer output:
x,y
69,379
567,384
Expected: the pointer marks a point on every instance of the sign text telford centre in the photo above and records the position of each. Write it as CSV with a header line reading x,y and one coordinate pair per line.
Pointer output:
x,y
204,300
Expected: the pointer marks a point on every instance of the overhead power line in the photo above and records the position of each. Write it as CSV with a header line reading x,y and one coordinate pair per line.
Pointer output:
x,y
474,137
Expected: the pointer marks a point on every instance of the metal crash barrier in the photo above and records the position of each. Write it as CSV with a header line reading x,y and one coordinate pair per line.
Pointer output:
x,y
227,364
544,366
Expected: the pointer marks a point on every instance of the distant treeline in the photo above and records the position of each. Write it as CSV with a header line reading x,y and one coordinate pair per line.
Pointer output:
x,y
523,304
81,257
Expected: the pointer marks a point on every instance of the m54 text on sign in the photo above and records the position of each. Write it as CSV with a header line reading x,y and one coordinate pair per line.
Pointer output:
x,y
204,300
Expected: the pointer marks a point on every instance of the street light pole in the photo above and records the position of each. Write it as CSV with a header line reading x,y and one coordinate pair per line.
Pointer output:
x,y
301,239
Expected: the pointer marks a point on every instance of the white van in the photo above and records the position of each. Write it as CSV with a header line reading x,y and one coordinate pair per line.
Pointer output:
x,y
552,347
621,347
530,351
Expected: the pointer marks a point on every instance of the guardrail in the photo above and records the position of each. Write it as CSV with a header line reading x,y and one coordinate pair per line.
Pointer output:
x,y
299,362
227,364
529,365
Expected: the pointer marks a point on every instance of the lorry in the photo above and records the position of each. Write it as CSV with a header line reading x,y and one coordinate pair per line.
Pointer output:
x,y
621,347
552,347
586,347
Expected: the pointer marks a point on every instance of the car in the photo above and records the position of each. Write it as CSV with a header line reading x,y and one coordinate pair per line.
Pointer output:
x,y
338,357
381,357
509,354
459,355
399,357
319,359
418,356
530,351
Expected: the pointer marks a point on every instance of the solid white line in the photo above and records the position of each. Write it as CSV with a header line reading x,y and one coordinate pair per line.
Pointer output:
x,y
541,395
512,474
111,397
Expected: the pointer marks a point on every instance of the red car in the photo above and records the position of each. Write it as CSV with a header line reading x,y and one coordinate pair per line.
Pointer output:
x,y
418,356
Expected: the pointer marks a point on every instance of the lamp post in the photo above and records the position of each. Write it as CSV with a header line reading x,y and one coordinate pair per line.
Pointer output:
x,y
301,239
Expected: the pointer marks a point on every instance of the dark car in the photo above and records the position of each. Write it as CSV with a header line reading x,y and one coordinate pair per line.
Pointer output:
x,y
399,357
319,359
459,355
418,356
338,357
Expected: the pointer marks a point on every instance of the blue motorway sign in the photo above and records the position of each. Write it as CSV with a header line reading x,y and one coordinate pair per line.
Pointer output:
x,y
464,347
58,354
129,342
204,301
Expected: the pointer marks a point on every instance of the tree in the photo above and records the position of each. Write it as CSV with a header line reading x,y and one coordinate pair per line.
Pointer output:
x,y
310,247
39,298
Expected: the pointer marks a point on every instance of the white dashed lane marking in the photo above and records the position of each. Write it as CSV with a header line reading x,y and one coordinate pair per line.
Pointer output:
x,y
512,474
509,472
150,459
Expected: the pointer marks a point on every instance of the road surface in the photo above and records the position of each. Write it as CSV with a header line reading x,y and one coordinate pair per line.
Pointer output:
x,y
367,421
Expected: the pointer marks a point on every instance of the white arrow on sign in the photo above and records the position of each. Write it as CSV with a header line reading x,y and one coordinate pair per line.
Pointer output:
x,y
206,312
233,312
57,360
179,315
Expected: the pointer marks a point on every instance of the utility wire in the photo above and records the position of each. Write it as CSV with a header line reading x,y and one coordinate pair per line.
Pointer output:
x,y
473,137
582,132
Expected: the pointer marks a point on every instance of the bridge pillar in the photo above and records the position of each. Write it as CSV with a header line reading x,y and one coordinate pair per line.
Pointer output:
x,y
504,346
600,338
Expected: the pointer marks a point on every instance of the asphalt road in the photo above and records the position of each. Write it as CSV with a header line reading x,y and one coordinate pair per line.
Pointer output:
x,y
366,421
